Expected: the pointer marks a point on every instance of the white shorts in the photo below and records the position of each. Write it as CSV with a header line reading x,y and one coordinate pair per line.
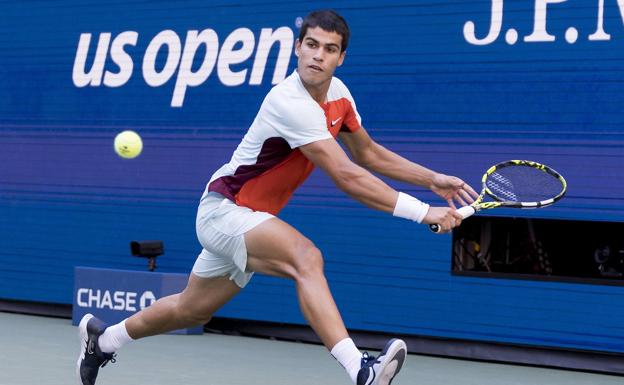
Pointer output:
x,y
221,226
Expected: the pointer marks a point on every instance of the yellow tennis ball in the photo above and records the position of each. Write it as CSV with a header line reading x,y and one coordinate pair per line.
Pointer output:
x,y
128,144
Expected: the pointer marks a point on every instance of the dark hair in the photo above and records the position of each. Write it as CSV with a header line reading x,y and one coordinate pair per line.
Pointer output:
x,y
329,21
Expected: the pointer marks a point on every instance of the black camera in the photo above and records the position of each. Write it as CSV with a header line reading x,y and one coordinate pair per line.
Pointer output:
x,y
610,261
149,250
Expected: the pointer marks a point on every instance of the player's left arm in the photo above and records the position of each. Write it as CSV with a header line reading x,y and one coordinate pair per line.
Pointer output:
x,y
375,157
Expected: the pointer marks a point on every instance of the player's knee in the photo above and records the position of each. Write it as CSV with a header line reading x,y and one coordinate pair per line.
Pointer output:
x,y
199,318
309,262
195,315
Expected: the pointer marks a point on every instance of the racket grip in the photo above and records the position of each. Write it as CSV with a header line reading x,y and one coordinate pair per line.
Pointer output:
x,y
465,212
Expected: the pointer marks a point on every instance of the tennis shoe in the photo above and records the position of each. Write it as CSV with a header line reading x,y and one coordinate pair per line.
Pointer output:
x,y
91,358
381,370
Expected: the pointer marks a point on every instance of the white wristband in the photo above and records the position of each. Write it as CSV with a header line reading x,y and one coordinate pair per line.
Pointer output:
x,y
410,208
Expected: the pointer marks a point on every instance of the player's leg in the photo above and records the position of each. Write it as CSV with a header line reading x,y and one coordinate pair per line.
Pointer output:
x,y
214,280
276,248
193,306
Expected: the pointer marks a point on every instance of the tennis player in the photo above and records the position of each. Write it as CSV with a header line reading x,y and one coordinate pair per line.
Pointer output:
x,y
295,130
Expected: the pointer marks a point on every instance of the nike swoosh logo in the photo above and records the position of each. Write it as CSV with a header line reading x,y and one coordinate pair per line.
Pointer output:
x,y
90,345
333,122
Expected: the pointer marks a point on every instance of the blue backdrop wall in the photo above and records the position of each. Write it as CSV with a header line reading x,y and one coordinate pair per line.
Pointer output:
x,y
454,85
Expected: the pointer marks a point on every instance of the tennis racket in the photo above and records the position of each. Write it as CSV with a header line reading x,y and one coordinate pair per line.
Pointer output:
x,y
516,183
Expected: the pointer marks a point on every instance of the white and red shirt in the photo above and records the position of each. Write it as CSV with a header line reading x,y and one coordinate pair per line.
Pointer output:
x,y
267,166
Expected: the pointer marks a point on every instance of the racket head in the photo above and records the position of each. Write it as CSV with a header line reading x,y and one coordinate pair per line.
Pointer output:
x,y
523,184
516,183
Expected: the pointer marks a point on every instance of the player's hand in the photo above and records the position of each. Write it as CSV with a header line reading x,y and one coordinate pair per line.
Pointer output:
x,y
446,217
453,190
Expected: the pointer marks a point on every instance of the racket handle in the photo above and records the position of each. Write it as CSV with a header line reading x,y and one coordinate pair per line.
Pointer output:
x,y
465,212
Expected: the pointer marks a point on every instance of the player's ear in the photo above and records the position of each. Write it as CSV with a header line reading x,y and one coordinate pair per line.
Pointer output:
x,y
297,47
341,58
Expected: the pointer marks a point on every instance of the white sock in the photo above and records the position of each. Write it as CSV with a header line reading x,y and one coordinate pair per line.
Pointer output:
x,y
114,337
349,357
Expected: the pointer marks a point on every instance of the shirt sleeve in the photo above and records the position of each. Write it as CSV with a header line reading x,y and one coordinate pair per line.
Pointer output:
x,y
298,120
352,119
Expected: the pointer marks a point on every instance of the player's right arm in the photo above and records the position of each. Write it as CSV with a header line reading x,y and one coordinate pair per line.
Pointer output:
x,y
366,188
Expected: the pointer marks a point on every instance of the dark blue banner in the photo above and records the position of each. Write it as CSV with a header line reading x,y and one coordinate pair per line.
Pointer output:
x,y
114,295
456,86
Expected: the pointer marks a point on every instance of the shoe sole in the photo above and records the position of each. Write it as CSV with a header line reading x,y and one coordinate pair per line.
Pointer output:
x,y
395,351
84,336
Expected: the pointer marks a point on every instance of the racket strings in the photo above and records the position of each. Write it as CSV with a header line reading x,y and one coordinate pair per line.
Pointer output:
x,y
501,187
523,184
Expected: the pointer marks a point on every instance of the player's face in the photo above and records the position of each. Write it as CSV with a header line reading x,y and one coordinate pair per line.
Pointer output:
x,y
319,54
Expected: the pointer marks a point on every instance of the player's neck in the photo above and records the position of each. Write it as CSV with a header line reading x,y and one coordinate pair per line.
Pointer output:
x,y
317,92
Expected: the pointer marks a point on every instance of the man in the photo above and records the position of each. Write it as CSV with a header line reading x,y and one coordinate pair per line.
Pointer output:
x,y
294,131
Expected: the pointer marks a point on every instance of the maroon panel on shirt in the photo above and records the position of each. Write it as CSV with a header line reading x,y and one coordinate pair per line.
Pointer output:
x,y
273,151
